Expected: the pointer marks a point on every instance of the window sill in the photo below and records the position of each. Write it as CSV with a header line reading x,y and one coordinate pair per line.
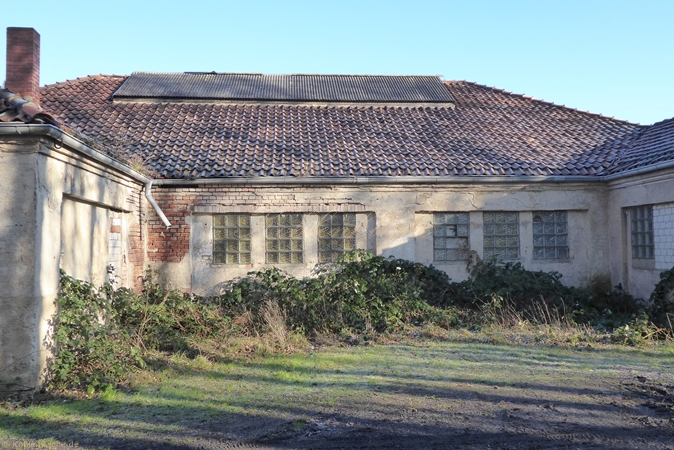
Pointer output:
x,y
552,260
643,264
232,266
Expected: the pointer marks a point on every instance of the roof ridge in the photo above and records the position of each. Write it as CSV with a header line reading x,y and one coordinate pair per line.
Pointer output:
x,y
661,122
190,72
545,102
84,78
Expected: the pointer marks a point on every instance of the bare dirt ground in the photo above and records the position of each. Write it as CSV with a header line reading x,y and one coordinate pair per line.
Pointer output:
x,y
636,413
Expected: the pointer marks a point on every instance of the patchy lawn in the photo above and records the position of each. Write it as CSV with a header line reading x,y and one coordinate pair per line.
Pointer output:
x,y
409,394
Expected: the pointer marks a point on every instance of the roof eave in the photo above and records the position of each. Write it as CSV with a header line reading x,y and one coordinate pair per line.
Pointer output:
x,y
639,171
19,129
378,180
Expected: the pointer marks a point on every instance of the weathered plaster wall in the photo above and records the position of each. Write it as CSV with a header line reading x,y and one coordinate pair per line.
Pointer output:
x,y
84,240
18,315
392,220
57,207
88,204
638,277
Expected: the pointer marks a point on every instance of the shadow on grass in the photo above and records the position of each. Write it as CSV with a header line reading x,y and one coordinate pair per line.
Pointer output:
x,y
277,402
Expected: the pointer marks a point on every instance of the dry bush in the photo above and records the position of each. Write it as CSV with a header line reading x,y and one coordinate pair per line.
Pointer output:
x,y
244,324
506,315
120,147
432,331
274,317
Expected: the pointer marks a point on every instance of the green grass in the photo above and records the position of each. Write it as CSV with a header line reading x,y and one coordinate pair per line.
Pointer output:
x,y
184,400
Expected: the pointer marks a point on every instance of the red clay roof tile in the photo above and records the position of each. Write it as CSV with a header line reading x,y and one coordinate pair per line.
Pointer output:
x,y
14,108
650,145
489,133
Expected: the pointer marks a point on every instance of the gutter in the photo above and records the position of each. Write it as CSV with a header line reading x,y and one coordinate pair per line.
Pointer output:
x,y
55,133
379,180
639,170
513,179
58,135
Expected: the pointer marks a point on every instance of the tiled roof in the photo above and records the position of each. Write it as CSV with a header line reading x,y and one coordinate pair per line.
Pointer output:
x,y
651,145
489,133
316,88
14,108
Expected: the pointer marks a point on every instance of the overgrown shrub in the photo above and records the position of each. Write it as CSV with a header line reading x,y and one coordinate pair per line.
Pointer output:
x,y
662,301
163,319
92,349
512,284
101,334
537,296
360,292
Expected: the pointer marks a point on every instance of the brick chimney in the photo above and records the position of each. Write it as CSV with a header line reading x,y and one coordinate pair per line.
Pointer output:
x,y
23,63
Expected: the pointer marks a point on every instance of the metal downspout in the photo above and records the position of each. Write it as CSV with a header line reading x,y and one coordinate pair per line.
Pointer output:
x,y
148,196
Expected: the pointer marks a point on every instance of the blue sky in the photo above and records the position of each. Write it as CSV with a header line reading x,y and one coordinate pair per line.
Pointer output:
x,y
611,57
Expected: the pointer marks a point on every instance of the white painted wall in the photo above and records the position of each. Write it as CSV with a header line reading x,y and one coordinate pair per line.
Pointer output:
x,y
85,235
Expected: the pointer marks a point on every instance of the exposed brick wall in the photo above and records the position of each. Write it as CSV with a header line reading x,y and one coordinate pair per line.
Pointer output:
x,y
23,62
178,203
171,245
136,247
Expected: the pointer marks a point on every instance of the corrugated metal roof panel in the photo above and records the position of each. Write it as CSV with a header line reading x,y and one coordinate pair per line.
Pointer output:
x,y
327,88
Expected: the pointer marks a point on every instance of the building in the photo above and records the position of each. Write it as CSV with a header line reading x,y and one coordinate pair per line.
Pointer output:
x,y
228,173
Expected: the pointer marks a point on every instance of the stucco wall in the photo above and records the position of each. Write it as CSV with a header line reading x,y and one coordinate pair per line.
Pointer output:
x,y
639,277
393,221
57,210
18,298
84,240
87,205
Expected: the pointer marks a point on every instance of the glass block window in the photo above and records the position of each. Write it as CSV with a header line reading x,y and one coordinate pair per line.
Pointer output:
x,y
450,236
642,232
231,239
501,235
336,234
550,235
284,239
